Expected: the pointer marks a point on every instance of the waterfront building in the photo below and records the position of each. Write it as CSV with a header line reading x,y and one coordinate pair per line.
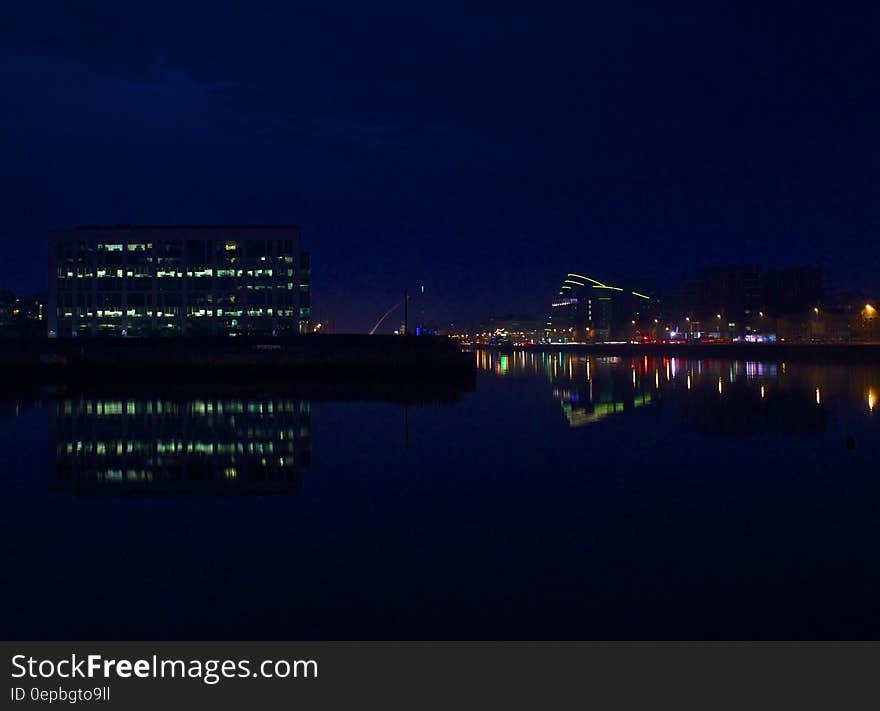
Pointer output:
x,y
750,302
138,281
587,310
512,329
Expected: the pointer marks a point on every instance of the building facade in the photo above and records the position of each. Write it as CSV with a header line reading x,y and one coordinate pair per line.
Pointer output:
x,y
750,301
590,311
141,281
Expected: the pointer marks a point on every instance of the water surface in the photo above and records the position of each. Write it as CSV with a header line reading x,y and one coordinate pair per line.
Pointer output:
x,y
563,497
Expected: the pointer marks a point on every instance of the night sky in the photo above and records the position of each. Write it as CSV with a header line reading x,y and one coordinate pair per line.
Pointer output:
x,y
481,149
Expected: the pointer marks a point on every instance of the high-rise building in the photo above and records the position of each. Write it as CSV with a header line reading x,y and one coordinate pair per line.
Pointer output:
x,y
739,301
138,281
588,310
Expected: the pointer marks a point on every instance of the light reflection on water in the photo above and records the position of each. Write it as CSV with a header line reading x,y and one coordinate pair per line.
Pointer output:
x,y
163,445
567,496
775,395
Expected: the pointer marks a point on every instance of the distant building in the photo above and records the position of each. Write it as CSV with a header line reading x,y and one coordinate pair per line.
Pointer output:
x,y
140,281
855,315
21,317
588,310
726,290
515,328
746,301
794,290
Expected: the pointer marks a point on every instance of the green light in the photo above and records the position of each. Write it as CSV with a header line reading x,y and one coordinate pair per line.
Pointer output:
x,y
641,296
581,276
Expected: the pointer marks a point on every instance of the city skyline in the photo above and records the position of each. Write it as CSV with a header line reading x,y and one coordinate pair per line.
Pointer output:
x,y
476,147
670,299
795,293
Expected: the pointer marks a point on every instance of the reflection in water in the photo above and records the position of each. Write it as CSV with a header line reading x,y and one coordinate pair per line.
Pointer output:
x,y
714,395
179,446
502,519
192,441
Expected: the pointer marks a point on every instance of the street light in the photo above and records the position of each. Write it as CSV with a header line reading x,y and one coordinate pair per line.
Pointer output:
x,y
816,310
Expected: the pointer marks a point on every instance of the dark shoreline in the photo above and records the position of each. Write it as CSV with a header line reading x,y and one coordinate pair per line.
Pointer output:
x,y
804,352
324,358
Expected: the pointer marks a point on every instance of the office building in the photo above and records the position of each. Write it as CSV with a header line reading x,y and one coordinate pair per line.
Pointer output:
x,y
138,281
749,301
587,310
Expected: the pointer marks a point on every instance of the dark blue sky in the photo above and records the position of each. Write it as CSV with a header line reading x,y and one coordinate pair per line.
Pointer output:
x,y
479,148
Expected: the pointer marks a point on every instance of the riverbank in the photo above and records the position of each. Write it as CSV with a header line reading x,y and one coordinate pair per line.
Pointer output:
x,y
807,352
239,360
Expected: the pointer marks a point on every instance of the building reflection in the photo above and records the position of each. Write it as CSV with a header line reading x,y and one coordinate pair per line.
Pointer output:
x,y
195,439
161,445
720,396
590,390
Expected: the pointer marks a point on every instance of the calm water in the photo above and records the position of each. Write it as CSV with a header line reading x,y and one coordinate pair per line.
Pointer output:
x,y
564,497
